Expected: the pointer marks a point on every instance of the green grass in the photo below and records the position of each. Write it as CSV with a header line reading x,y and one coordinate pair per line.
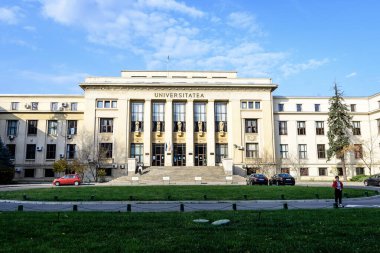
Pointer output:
x,y
179,193
329,230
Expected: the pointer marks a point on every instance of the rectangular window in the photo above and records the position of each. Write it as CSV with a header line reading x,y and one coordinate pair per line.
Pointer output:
x,y
106,104
108,171
29,172
244,105
283,127
200,117
353,107
74,106
72,126
285,170
114,104
52,127
302,151
301,127
34,106
49,173
106,125
251,126
321,151
50,151
317,107
221,151
158,117
99,104
257,105
356,128
12,150
70,151
250,104
32,127
284,151
179,110
340,171
220,116
12,126
304,171
322,171
30,151
105,150
280,107
359,170
137,115
54,106
358,150
14,106
137,151
319,127
299,107
252,150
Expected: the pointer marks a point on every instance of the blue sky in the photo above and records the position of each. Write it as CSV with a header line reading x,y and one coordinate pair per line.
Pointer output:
x,y
49,46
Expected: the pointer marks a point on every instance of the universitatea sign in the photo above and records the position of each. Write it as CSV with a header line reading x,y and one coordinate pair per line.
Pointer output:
x,y
178,95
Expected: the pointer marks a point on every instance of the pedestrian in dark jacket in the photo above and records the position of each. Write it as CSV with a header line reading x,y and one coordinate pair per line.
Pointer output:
x,y
338,188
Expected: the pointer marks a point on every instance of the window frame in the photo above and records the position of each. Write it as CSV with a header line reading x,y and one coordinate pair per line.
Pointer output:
x,y
251,126
252,152
106,125
301,127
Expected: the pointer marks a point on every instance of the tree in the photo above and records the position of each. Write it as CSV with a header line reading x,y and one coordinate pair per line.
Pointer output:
x,y
7,170
367,151
60,166
295,163
339,122
265,163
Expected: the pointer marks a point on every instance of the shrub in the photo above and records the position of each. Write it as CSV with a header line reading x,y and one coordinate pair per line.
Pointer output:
x,y
7,170
359,178
101,175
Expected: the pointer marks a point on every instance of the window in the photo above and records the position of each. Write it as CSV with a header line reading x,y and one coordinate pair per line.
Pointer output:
x,y
70,151
340,171
32,127
244,105
250,104
356,128
137,152
114,104
99,104
49,173
106,104
12,127
283,127
220,116
304,171
317,107
285,170
257,105
108,171
359,170
179,117
284,151
72,127
252,150
299,107
52,127
200,117
302,151
54,106
50,151
378,126
221,151
251,126
74,106
322,171
105,150
34,106
137,113
321,151
30,151
358,151
12,150
29,172
106,125
158,117
301,127
14,106
319,127
280,107
353,107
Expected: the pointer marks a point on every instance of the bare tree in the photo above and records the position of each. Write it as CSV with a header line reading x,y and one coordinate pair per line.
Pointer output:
x,y
265,163
366,152
295,164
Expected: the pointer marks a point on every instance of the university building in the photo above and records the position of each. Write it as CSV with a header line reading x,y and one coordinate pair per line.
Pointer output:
x,y
184,119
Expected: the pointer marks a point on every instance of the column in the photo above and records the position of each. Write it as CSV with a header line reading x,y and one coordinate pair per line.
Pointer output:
x,y
169,132
190,133
211,133
147,132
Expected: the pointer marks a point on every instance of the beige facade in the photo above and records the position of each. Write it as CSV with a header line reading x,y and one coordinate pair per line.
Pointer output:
x,y
177,118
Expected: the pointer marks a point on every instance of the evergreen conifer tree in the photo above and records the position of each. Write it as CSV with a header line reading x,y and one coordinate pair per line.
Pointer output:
x,y
339,122
6,166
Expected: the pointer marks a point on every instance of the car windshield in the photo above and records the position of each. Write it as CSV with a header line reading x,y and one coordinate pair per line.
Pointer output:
x,y
260,175
284,175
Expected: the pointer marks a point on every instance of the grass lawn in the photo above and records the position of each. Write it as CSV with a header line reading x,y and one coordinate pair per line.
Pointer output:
x,y
67,193
329,230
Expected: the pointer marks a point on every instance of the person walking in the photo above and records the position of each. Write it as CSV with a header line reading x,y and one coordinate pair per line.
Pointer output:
x,y
338,188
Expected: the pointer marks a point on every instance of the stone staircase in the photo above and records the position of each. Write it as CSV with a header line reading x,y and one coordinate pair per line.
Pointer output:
x,y
213,175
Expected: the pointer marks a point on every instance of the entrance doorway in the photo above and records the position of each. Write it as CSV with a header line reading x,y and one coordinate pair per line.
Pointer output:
x,y
158,155
200,158
179,155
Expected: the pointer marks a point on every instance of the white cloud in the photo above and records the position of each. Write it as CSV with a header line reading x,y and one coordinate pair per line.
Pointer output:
x,y
10,15
351,75
245,21
172,5
58,79
292,69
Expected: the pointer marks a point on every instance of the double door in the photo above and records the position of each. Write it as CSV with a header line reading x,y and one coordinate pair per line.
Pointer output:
x,y
200,158
158,154
179,155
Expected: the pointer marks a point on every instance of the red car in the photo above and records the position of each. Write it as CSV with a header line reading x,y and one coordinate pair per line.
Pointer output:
x,y
67,179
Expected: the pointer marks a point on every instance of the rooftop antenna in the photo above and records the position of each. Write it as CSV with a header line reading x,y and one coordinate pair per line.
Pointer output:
x,y
167,66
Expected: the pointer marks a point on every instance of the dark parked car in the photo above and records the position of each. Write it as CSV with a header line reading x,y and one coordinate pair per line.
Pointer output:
x,y
373,180
282,179
257,179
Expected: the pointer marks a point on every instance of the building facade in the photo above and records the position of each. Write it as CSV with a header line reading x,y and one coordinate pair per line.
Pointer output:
x,y
184,118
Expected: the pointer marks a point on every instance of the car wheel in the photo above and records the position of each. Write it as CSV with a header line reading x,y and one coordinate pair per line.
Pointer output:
x,y
366,183
76,183
57,183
